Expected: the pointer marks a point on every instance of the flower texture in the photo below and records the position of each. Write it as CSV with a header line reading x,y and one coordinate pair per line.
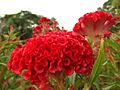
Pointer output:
x,y
50,53
45,25
117,18
94,24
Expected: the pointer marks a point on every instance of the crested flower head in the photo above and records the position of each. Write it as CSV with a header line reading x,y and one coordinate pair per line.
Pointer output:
x,y
94,24
50,53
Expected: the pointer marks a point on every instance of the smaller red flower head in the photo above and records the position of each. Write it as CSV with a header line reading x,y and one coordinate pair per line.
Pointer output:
x,y
94,24
45,25
44,19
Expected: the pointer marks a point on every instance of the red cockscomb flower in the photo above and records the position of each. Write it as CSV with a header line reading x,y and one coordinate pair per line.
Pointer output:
x,y
50,53
45,25
94,24
44,19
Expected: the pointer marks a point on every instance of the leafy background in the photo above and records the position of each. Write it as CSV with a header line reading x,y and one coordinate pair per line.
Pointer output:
x,y
16,28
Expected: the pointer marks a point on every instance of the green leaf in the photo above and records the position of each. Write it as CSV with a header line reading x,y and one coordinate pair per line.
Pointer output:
x,y
118,12
3,64
67,83
35,87
97,66
113,43
108,87
72,78
78,83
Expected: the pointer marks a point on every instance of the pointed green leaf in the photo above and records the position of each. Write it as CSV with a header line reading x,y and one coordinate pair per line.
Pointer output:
x,y
72,78
98,65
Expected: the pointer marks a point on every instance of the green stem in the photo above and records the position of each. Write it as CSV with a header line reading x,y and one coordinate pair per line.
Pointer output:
x,y
61,85
97,66
59,82
86,87
3,64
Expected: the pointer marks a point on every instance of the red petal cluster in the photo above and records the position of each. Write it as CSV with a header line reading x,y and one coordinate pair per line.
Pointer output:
x,y
44,19
50,53
46,25
117,17
94,24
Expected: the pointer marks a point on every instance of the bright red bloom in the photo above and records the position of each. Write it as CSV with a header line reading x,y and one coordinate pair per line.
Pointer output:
x,y
46,25
50,53
94,24
44,19
38,30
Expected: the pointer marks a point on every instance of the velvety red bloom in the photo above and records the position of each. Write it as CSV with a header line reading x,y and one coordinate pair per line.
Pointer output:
x,y
44,19
50,53
38,30
94,24
15,60
46,25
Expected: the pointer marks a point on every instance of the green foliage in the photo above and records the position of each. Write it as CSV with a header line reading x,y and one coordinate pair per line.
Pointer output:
x,y
23,22
111,6
98,65
8,80
105,74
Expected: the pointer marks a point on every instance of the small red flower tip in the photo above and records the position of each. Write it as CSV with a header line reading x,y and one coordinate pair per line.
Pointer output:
x,y
19,45
117,18
37,30
107,34
0,46
5,82
94,24
44,19
106,50
118,40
